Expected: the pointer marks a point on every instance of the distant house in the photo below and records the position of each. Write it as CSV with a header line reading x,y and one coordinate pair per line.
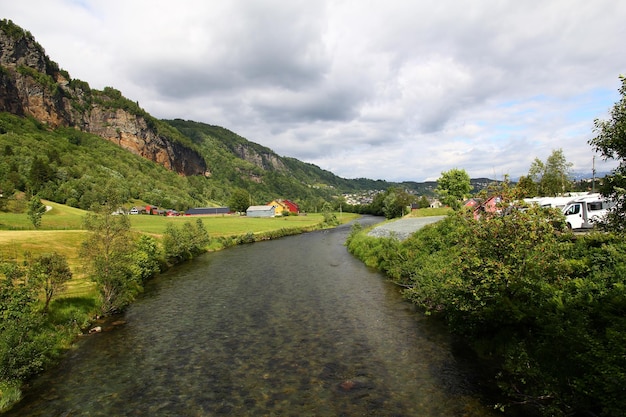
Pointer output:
x,y
435,204
207,211
261,211
283,206
152,209
491,205
472,203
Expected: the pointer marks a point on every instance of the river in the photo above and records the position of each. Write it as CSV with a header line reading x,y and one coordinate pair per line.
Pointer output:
x,y
289,327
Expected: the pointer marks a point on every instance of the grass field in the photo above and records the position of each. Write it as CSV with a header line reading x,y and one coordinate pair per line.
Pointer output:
x,y
61,231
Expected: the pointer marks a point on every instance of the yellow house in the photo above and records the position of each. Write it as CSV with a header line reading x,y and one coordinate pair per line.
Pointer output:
x,y
279,207
284,206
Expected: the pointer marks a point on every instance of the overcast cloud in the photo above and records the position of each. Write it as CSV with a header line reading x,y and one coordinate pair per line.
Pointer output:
x,y
382,89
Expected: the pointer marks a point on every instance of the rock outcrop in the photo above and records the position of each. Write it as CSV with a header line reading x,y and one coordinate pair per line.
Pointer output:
x,y
33,85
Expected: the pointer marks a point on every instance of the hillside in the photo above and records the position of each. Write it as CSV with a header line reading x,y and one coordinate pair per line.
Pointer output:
x,y
64,140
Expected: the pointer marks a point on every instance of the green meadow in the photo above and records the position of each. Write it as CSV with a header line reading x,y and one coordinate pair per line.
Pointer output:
x,y
61,231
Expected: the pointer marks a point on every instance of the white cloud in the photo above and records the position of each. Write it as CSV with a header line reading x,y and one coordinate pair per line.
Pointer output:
x,y
394,89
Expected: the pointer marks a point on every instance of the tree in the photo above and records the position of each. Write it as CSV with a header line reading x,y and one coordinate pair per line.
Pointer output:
x,y
108,256
610,141
453,187
35,211
423,202
23,349
525,187
551,177
239,200
50,272
395,203
39,174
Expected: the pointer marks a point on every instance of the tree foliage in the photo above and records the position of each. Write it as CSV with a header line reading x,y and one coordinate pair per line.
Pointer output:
x,y
610,141
396,202
23,342
453,187
548,307
107,255
239,200
184,242
35,211
552,177
50,272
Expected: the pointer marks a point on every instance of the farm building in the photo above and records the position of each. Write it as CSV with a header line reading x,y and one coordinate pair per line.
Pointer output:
x,y
283,206
261,211
206,211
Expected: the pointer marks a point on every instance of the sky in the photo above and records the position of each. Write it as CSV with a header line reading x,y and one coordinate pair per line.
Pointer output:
x,y
400,90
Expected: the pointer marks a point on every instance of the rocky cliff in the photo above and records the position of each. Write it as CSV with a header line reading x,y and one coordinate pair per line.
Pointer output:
x,y
33,85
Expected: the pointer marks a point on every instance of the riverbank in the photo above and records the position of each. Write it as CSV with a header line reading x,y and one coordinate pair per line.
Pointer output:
x,y
543,307
72,311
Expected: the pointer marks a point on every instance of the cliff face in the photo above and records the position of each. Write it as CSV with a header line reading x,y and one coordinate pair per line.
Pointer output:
x,y
265,160
32,85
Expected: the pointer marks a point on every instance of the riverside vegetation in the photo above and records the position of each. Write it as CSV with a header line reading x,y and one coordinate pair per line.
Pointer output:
x,y
78,266
544,309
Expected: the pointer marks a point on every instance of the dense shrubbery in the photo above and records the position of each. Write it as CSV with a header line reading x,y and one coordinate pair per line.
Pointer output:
x,y
31,334
185,242
546,307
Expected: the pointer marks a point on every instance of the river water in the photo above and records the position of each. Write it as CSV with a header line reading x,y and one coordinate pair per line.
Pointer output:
x,y
289,327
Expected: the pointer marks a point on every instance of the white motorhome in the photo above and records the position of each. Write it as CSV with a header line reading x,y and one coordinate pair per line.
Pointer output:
x,y
583,212
548,202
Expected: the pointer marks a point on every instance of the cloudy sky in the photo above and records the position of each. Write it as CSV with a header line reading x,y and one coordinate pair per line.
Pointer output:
x,y
382,89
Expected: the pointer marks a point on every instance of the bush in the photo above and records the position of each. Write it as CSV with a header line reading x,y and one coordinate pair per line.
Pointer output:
x,y
183,243
548,307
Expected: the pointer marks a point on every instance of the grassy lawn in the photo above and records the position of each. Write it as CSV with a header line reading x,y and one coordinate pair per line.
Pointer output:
x,y
61,232
59,217
425,212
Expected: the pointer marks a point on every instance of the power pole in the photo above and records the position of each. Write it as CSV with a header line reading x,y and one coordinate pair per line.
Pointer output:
x,y
593,173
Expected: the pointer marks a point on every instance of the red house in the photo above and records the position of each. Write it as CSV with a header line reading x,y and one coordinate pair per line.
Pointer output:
x,y
291,206
492,205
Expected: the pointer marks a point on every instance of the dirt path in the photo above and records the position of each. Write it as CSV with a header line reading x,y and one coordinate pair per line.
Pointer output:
x,y
402,228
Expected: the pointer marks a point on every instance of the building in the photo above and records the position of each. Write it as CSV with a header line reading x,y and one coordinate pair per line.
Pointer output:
x,y
207,211
261,211
283,206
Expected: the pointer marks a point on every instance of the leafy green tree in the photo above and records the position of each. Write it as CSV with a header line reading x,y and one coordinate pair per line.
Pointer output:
x,y
107,253
40,173
23,346
146,258
185,242
239,200
551,177
610,141
50,272
526,187
453,187
35,211
395,203
423,202
330,218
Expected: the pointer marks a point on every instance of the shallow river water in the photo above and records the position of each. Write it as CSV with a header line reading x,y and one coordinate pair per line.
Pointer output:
x,y
289,327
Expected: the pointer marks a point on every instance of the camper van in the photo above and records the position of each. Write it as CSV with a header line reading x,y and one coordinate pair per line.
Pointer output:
x,y
583,212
